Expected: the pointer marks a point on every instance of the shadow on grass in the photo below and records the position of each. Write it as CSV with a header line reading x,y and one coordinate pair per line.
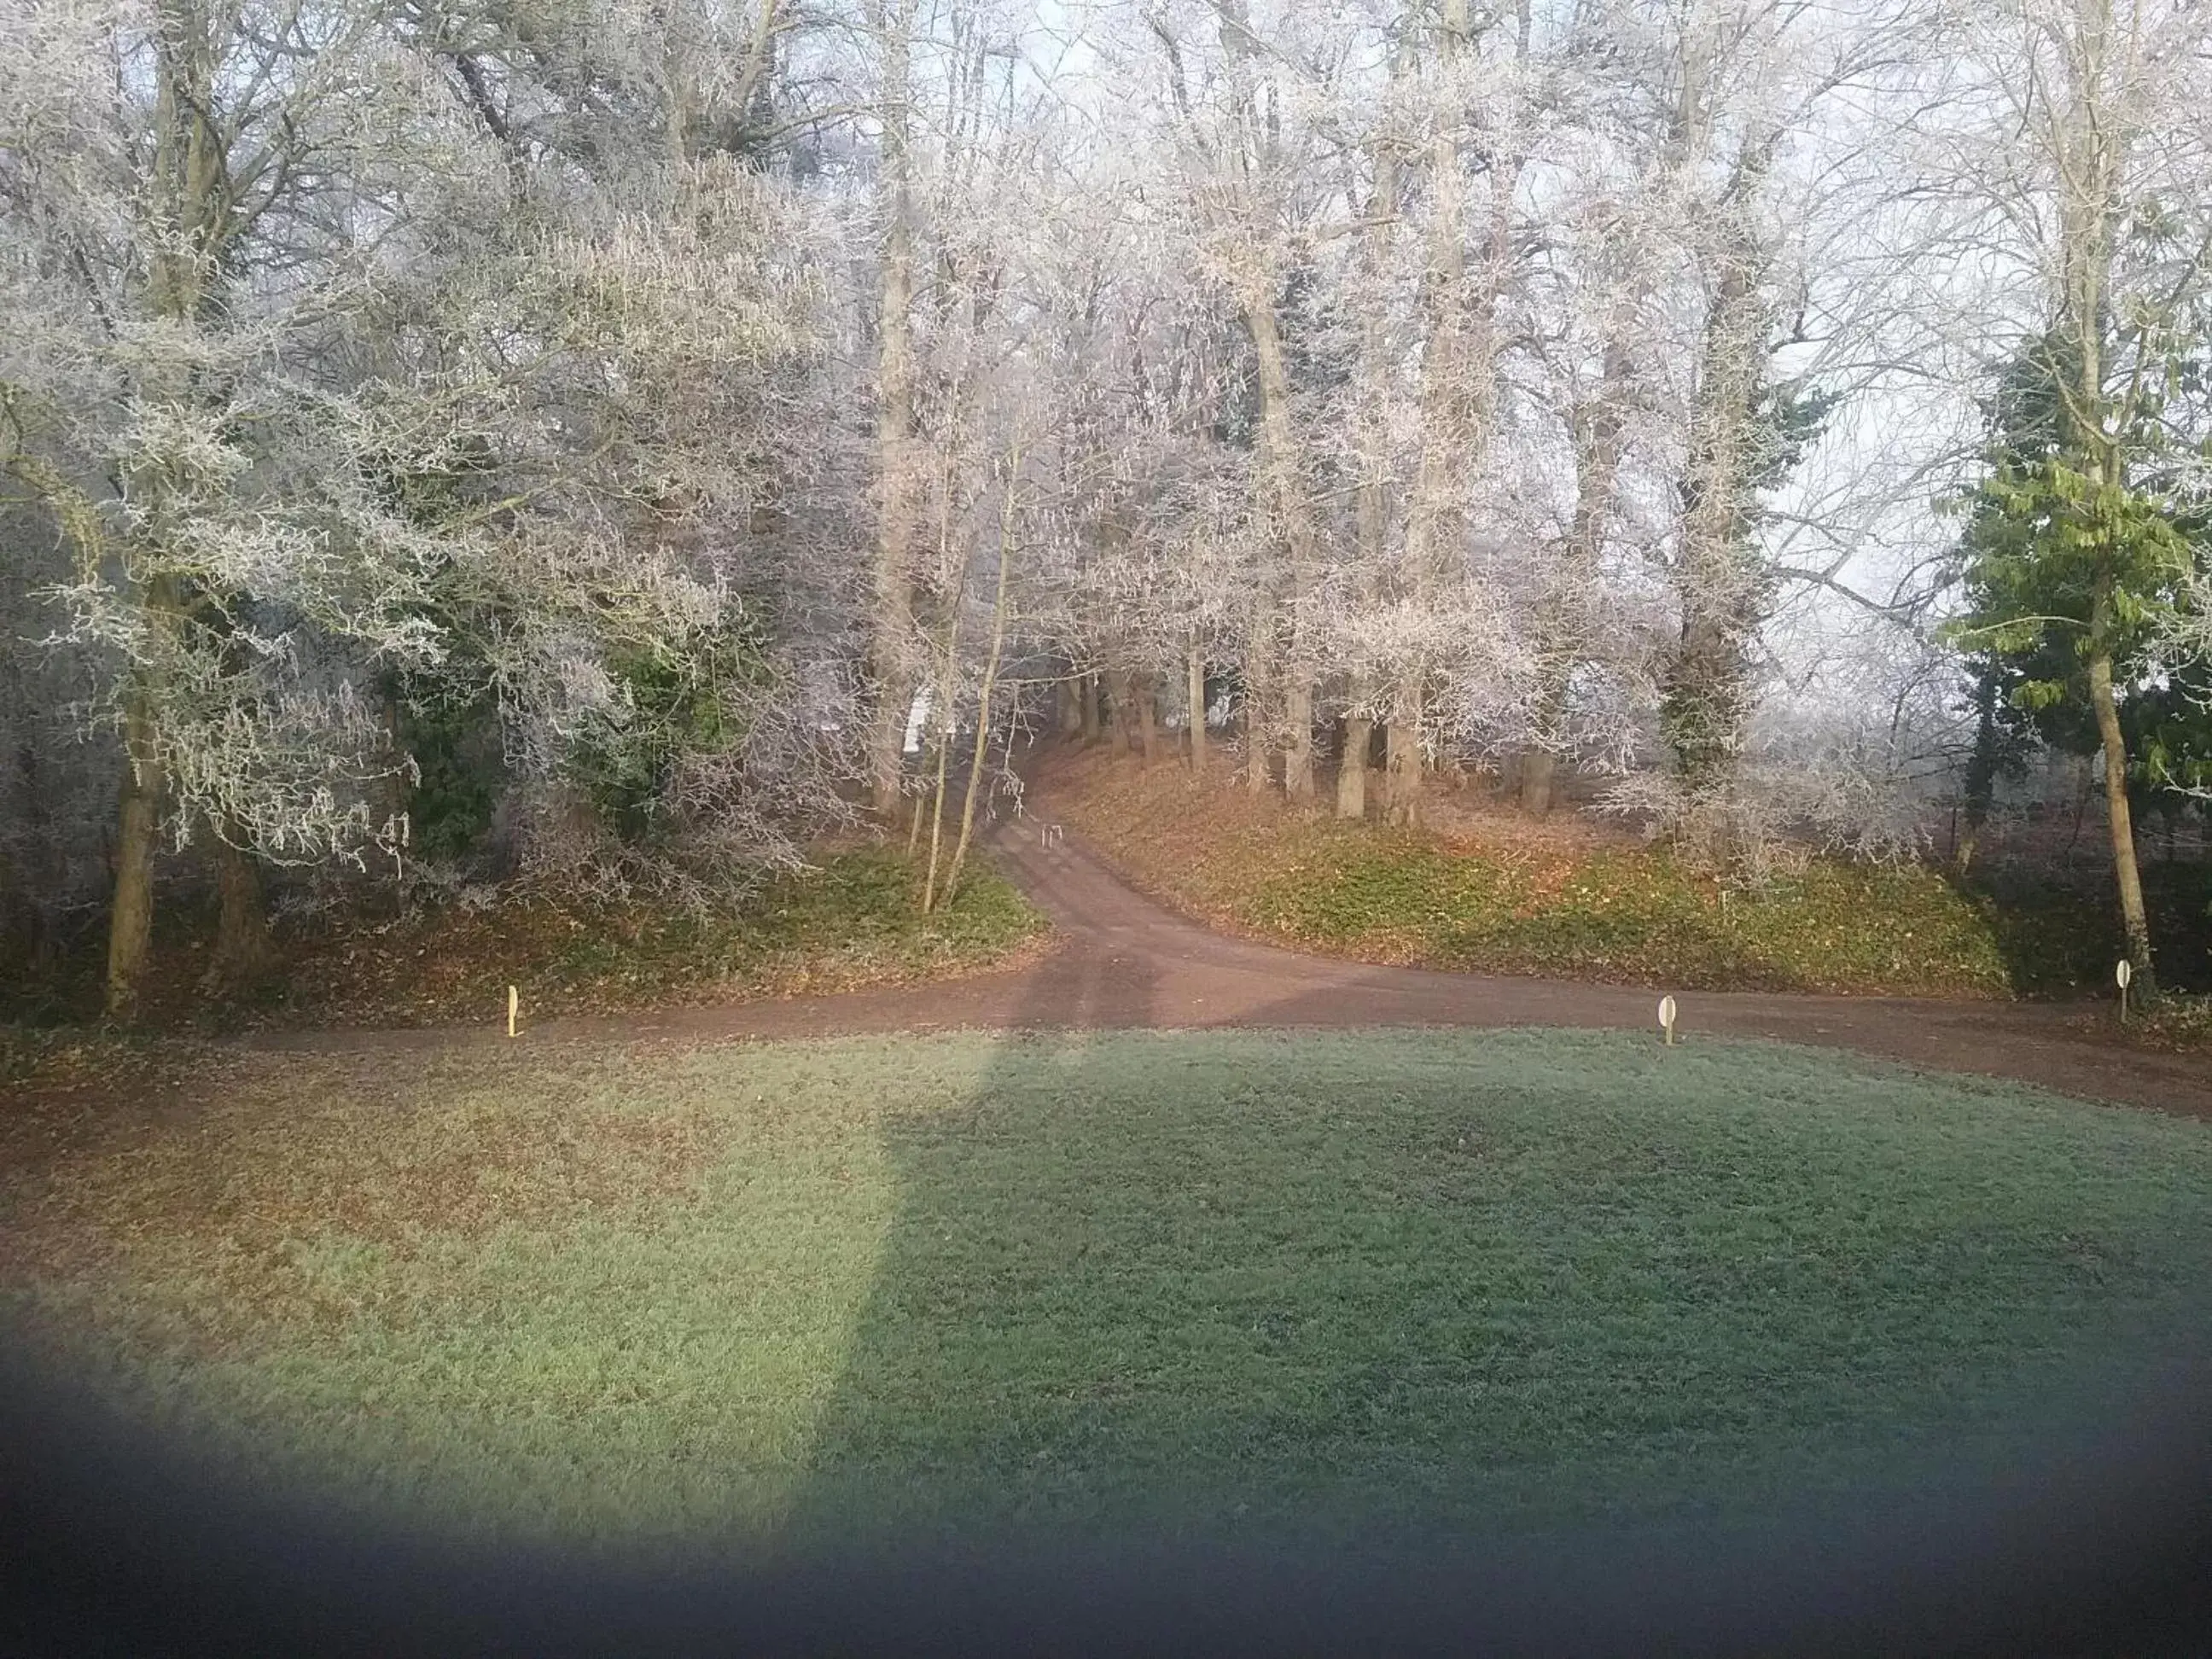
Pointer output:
x,y
1136,1291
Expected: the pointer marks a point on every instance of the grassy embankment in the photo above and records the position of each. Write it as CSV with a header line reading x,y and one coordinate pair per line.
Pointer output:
x,y
851,920
1227,1282
1506,898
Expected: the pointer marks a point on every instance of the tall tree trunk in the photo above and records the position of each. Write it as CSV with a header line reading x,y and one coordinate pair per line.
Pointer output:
x,y
192,205
1402,773
1258,682
243,952
1257,768
1981,780
1121,710
1279,445
1195,671
2090,209
1720,583
1258,286
1007,520
1565,621
1351,769
130,917
1538,767
23,932
18,929
1447,430
892,622
1298,751
1086,697
937,817
1070,708
1148,717
921,812
945,715
1372,513
2135,918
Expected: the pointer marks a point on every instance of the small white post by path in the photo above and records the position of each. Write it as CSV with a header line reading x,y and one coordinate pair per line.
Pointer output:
x,y
513,1003
2124,975
1666,1013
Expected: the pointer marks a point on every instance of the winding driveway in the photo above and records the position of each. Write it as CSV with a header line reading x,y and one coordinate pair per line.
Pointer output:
x,y
1120,961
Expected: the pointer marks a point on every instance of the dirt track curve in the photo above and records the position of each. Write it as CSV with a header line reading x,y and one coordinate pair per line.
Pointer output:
x,y
1122,960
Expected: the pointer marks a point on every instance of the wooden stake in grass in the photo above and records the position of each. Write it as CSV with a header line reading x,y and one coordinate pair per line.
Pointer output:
x,y
1666,1012
513,1003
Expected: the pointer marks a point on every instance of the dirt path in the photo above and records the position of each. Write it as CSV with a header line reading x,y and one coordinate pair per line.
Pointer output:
x,y
1122,961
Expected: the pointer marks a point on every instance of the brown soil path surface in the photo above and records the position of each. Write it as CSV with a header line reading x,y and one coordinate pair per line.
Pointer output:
x,y
1120,961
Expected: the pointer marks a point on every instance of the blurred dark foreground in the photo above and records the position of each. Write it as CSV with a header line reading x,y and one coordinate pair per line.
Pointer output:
x,y
2101,1543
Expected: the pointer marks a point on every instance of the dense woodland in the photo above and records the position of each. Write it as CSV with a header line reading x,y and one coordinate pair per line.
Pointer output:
x,y
478,446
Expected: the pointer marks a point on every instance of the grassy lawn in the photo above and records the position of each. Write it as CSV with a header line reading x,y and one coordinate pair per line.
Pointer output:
x,y
1240,1281
851,920
1562,901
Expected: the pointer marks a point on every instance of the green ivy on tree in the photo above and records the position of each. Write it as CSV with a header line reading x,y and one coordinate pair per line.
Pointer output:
x,y
671,704
2072,564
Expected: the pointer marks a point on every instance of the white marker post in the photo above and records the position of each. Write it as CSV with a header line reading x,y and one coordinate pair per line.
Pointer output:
x,y
1666,1012
513,1003
2124,975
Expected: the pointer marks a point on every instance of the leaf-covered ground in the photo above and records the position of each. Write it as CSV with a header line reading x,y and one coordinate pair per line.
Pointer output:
x,y
852,920
1225,1282
2179,1022
1564,901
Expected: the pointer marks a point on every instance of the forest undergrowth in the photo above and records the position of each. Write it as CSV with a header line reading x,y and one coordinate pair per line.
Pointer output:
x,y
851,918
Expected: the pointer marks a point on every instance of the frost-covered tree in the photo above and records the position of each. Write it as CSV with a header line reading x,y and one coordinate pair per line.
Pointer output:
x,y
357,357
178,174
